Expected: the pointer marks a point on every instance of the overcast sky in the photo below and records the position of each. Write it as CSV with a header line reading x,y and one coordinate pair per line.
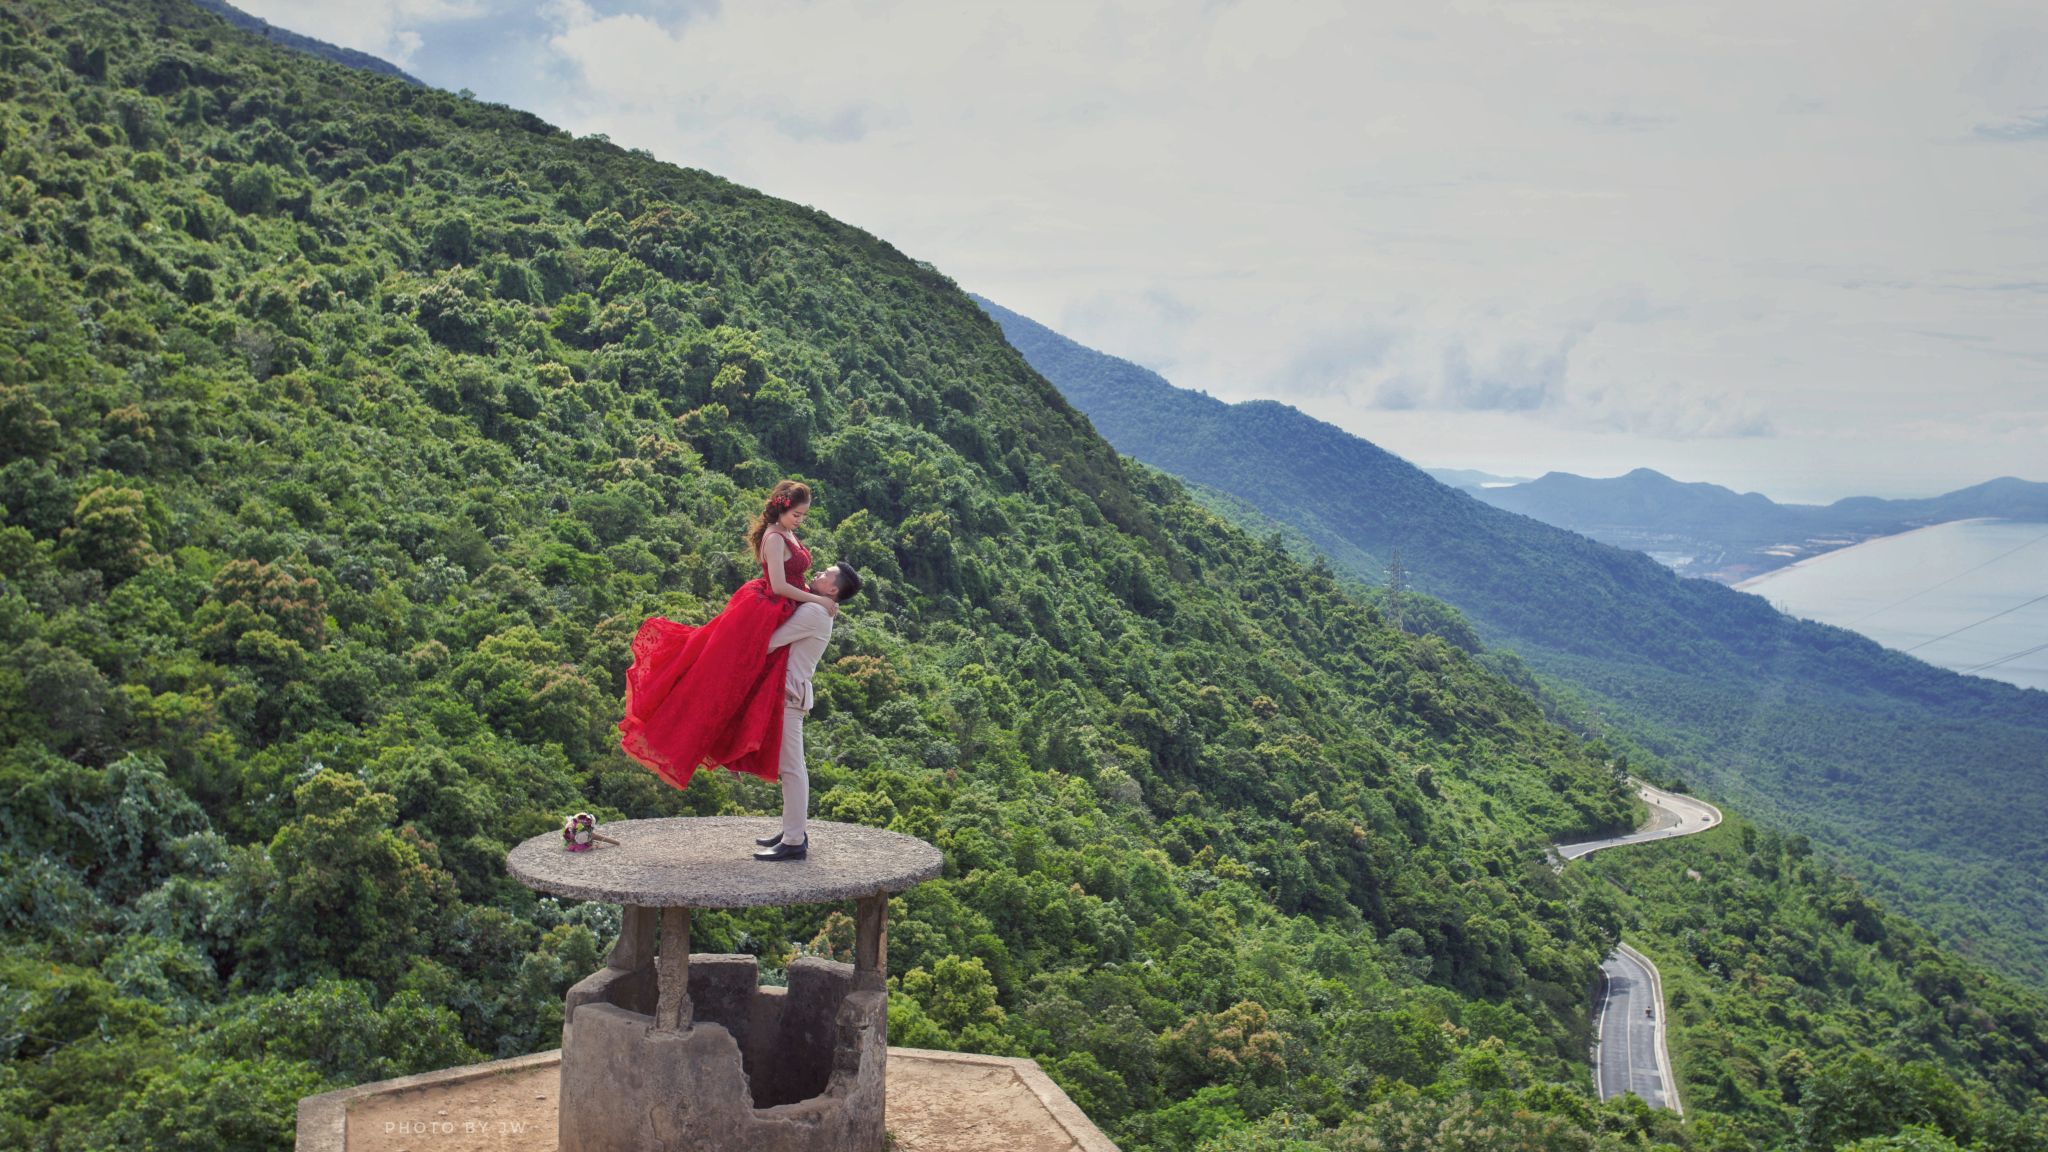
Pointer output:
x,y
1797,248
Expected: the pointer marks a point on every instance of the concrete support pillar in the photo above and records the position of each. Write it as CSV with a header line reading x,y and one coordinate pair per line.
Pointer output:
x,y
628,977
672,1011
635,950
871,944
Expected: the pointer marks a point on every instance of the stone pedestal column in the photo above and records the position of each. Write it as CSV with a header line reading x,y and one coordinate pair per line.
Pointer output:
x,y
666,1050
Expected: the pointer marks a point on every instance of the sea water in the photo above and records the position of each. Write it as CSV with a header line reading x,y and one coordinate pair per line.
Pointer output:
x,y
1971,596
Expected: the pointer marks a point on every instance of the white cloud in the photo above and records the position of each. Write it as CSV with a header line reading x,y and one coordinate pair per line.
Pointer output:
x,y
1563,234
1673,412
1618,119
386,28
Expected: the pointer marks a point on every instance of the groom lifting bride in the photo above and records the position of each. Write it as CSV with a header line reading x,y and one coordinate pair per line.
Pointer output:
x,y
805,636
735,691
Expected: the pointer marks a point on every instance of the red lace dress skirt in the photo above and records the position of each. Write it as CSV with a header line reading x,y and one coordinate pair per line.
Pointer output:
x,y
710,695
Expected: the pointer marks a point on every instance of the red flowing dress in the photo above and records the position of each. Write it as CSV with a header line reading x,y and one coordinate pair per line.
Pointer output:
x,y
712,695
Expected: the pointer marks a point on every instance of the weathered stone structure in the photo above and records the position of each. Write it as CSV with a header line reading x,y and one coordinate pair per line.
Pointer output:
x,y
938,1102
662,1049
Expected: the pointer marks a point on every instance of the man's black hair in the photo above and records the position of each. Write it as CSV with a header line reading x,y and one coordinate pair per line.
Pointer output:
x,y
849,582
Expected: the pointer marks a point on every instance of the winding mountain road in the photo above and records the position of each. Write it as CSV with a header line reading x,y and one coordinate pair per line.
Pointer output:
x,y
1631,1052
1671,814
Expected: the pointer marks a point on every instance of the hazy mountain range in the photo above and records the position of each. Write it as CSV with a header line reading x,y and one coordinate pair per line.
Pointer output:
x,y
1473,478
1707,530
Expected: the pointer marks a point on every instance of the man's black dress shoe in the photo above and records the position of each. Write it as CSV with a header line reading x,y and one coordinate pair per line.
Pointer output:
x,y
783,852
769,841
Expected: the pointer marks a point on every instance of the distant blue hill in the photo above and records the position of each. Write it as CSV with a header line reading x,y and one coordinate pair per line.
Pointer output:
x,y
311,47
1472,478
1645,509
1932,779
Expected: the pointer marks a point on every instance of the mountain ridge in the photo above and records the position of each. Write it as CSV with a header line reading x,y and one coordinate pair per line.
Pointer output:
x,y
1741,536
346,57
1470,478
1816,726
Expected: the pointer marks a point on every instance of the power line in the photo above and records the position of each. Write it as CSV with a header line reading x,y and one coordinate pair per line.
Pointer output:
x,y
1986,620
2004,659
1944,583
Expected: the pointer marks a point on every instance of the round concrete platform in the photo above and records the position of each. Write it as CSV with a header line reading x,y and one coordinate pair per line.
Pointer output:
x,y
707,862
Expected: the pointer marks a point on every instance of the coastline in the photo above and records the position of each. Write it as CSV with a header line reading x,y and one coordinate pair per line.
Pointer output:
x,y
1753,581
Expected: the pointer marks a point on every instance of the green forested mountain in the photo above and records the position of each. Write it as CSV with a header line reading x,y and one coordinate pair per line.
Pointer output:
x,y
351,428
1930,784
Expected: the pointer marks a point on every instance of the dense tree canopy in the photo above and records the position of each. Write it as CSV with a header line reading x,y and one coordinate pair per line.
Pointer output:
x,y
352,428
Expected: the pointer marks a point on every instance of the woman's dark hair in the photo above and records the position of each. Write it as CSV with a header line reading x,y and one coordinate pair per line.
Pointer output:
x,y
788,494
849,582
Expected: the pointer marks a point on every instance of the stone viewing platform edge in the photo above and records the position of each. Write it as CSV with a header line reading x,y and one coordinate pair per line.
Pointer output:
x,y
940,1102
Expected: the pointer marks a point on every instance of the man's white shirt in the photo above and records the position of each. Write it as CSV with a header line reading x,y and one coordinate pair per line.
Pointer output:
x,y
806,633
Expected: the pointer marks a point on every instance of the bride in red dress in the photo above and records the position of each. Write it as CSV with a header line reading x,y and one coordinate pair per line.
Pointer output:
x,y
712,695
